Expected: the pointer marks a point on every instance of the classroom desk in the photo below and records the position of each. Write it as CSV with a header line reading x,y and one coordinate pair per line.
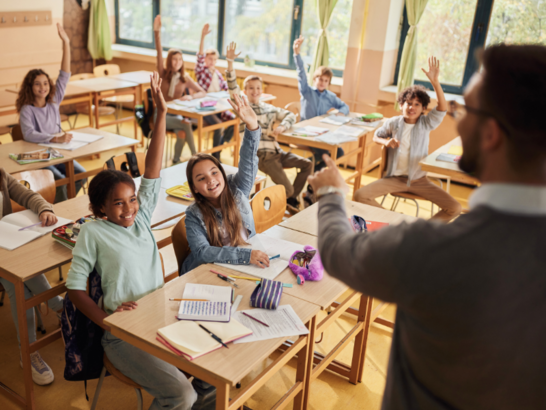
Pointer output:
x,y
109,142
106,87
72,95
142,78
222,368
221,106
430,164
312,142
7,103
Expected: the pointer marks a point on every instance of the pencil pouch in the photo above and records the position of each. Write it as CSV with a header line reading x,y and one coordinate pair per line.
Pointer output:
x,y
208,103
358,224
267,295
307,264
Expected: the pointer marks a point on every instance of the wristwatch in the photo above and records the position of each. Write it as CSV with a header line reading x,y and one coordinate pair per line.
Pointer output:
x,y
327,190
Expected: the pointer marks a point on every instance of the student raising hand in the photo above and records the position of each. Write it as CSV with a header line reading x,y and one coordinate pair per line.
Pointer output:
x,y
297,44
245,112
62,34
157,23
155,152
157,95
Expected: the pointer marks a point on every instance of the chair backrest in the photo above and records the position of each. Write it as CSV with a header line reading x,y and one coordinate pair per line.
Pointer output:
x,y
294,107
17,133
39,180
268,207
105,70
120,163
180,242
81,76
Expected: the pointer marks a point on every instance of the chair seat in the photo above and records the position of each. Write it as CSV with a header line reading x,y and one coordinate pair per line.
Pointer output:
x,y
102,110
64,117
5,130
117,374
119,99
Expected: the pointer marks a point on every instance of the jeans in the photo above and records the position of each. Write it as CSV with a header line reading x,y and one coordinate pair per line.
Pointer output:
x,y
217,136
59,172
168,385
319,163
33,287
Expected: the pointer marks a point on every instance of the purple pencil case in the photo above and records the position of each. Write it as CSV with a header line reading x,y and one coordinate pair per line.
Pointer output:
x,y
307,264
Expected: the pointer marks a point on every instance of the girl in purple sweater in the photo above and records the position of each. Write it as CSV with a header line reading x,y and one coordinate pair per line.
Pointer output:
x,y
38,108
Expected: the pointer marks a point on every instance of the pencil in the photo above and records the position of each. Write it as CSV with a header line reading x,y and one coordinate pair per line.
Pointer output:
x,y
189,300
253,318
242,277
30,226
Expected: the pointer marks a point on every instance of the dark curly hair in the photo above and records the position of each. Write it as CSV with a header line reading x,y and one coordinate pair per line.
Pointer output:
x,y
101,188
26,95
415,91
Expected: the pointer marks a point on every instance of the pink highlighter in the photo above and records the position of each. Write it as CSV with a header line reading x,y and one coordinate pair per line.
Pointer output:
x,y
208,103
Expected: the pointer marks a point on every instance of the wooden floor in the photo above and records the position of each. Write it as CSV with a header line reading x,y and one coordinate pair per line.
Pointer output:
x,y
328,392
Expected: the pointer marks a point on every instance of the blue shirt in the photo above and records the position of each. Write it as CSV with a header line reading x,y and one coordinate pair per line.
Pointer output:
x,y
313,101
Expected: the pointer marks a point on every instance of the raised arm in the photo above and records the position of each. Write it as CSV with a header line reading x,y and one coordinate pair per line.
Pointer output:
x,y
204,32
303,85
231,77
155,152
433,75
65,64
158,48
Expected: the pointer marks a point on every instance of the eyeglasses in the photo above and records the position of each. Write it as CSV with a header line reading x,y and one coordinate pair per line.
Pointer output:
x,y
458,111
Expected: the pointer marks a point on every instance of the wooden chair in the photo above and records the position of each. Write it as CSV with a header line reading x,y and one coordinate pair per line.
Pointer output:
x,y
268,207
83,108
16,133
120,163
294,107
180,242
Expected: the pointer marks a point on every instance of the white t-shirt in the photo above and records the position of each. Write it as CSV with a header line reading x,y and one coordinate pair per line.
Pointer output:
x,y
214,86
401,167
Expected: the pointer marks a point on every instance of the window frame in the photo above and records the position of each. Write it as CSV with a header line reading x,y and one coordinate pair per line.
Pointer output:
x,y
478,36
294,33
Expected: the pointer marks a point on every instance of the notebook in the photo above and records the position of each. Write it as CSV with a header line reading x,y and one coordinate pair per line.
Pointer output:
x,y
187,339
79,139
454,159
217,309
272,247
42,155
336,120
10,235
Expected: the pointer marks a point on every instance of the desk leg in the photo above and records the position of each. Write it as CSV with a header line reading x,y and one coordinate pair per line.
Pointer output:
x,y
237,144
222,396
199,132
310,362
359,164
333,152
25,348
71,186
90,108
96,100
303,372
366,301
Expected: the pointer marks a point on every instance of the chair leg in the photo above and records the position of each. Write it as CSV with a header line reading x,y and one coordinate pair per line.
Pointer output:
x,y
116,115
39,322
139,399
60,273
383,200
97,391
417,206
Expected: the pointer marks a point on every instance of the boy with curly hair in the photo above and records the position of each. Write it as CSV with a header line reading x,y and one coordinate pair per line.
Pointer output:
x,y
406,137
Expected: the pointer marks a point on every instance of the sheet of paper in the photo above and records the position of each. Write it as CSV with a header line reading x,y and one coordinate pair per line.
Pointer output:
x,y
71,146
11,238
27,218
283,322
335,138
83,137
336,120
193,310
209,292
219,95
274,246
352,131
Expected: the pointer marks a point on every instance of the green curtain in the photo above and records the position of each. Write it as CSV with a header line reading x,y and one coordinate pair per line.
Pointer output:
x,y
325,9
415,9
99,43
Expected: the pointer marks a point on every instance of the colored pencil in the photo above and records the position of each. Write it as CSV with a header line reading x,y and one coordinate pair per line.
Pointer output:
x,y
253,318
189,300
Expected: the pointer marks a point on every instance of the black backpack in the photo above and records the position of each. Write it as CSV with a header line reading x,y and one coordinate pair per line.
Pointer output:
x,y
131,165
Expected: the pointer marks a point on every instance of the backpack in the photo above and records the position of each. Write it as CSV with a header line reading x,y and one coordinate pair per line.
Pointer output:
x,y
82,338
131,165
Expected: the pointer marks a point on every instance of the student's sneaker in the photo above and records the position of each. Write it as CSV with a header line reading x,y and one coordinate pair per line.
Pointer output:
x,y
41,372
292,206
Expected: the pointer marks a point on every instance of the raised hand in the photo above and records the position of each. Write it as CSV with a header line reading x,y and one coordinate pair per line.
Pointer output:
x,y
62,33
206,30
329,176
157,95
157,23
244,111
433,72
297,44
230,52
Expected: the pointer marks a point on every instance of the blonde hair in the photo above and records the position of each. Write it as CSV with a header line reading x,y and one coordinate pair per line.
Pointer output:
x,y
252,78
168,65
209,51
322,70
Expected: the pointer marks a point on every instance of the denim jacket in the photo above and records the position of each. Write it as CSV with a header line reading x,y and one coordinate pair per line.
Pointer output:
x,y
240,184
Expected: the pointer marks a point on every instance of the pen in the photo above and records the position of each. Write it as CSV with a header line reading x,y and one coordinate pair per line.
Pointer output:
x,y
213,336
274,257
241,277
225,278
30,226
189,300
253,318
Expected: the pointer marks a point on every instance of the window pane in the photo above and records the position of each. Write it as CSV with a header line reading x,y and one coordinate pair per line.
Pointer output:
x,y
136,20
444,31
517,22
183,20
261,28
338,32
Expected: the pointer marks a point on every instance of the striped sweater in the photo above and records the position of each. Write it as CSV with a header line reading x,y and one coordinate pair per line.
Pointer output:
x,y
267,115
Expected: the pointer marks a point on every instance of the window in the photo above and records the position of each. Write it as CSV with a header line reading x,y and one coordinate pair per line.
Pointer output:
x,y
263,29
455,30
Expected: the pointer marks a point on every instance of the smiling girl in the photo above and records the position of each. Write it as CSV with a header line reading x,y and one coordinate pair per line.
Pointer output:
x,y
121,247
221,219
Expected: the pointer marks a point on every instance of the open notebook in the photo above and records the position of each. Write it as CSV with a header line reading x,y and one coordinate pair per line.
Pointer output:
x,y
79,139
188,339
10,235
272,247
217,309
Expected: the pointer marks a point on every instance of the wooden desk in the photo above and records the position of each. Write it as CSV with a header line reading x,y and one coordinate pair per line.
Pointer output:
x,y
430,164
225,367
105,87
142,78
223,105
109,142
7,103
312,142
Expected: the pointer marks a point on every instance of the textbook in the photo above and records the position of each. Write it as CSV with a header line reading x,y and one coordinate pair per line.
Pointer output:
x,y
187,339
454,159
11,235
216,309
42,155
309,131
67,234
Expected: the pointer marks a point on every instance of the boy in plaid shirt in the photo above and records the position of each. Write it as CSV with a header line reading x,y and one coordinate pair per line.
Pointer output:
x,y
272,159
212,81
